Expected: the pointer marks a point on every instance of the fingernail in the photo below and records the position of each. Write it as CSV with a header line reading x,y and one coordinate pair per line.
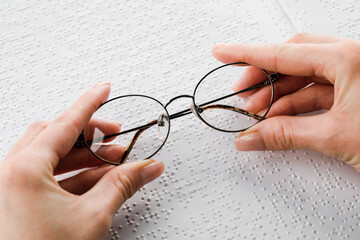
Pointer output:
x,y
249,140
113,122
247,105
234,87
217,46
262,112
150,170
102,84
144,163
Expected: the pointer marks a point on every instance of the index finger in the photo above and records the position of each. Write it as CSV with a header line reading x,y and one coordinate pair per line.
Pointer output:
x,y
252,75
61,134
292,59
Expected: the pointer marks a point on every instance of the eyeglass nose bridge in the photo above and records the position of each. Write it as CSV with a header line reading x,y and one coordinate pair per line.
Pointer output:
x,y
195,109
177,97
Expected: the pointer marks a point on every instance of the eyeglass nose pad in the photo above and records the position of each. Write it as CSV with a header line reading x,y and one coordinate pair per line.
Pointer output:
x,y
163,126
199,112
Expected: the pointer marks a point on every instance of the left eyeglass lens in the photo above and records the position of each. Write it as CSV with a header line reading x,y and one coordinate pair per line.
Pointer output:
x,y
136,123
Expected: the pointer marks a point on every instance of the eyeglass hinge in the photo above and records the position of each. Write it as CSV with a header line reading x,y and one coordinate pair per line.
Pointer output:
x,y
199,109
161,121
274,76
80,142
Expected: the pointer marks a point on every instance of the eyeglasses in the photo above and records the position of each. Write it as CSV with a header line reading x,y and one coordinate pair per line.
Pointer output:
x,y
145,121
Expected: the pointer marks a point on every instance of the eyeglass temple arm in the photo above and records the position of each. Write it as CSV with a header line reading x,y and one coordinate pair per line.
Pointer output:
x,y
132,143
231,108
81,142
272,77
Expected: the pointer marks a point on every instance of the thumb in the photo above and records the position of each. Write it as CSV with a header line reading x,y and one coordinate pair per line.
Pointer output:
x,y
120,183
284,132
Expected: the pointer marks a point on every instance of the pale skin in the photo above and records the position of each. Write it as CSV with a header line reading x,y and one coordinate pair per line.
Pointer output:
x,y
332,65
33,205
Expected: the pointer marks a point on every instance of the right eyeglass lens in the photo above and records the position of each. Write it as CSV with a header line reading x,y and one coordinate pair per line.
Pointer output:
x,y
136,123
231,113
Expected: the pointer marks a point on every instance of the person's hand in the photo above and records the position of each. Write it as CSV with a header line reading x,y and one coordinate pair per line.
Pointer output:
x,y
332,66
33,205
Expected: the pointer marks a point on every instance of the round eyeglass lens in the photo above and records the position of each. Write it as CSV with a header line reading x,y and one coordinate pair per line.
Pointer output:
x,y
132,127
215,105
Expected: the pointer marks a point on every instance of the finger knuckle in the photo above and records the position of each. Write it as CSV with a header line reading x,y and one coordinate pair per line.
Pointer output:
x,y
101,219
279,55
328,134
24,173
39,125
93,105
126,185
289,104
299,37
350,51
75,126
72,126
281,137
104,219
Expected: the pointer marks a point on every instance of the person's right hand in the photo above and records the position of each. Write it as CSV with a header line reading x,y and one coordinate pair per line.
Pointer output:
x,y
332,66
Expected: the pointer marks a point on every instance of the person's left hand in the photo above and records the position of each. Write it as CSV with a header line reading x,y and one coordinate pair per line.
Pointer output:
x,y
33,205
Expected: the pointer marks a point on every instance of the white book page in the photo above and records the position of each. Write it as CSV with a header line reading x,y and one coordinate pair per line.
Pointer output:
x,y
51,52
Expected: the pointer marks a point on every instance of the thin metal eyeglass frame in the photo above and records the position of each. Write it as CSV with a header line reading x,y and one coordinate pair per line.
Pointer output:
x,y
82,142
